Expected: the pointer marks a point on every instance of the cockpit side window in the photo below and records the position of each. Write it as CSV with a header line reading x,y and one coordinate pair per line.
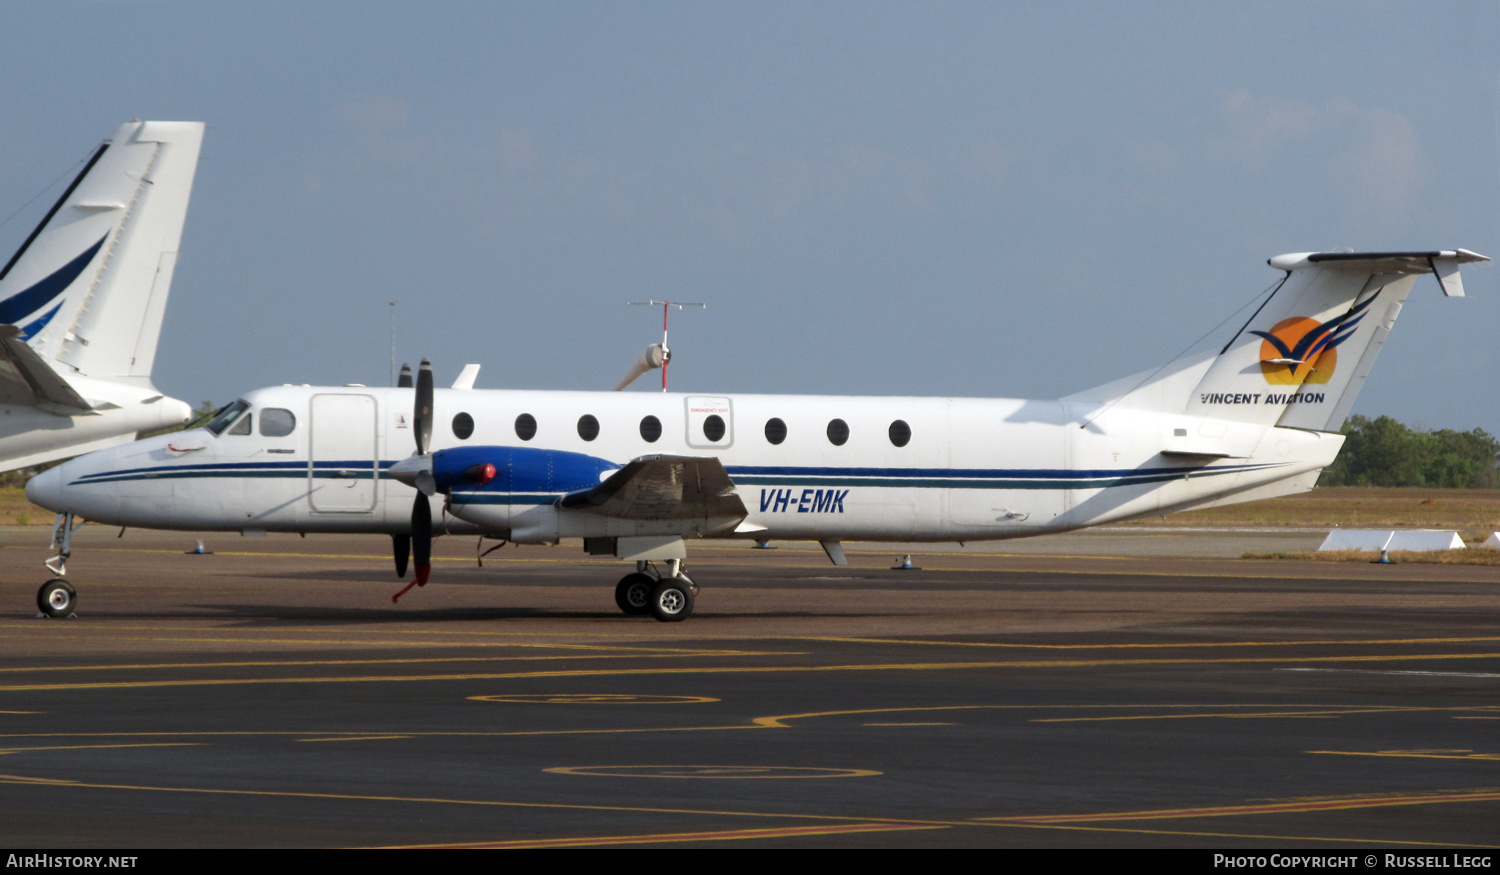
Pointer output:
x,y
227,414
243,426
277,422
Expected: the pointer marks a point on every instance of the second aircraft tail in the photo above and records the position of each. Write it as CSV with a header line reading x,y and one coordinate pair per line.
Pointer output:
x,y
87,290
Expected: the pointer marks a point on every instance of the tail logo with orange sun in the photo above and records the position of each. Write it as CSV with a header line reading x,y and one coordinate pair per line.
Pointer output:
x,y
1302,350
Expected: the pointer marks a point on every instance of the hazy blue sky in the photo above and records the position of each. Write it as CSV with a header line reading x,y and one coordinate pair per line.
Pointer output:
x,y
876,198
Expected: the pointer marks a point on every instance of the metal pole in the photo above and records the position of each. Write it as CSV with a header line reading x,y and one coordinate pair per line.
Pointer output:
x,y
666,307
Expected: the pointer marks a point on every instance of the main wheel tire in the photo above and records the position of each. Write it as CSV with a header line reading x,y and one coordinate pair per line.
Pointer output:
x,y
57,598
633,593
672,600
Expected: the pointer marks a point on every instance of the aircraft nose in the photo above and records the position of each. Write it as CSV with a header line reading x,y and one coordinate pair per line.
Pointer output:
x,y
45,490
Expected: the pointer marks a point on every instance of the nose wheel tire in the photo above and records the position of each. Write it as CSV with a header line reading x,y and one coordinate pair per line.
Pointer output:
x,y
633,594
672,600
57,598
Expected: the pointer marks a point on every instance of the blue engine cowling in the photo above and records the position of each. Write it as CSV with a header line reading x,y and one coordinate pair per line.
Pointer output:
x,y
523,470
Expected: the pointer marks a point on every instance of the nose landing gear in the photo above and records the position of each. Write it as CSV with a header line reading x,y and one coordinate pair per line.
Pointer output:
x,y
667,597
57,598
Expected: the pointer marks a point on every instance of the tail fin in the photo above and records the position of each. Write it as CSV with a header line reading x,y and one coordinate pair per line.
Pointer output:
x,y
88,288
1303,357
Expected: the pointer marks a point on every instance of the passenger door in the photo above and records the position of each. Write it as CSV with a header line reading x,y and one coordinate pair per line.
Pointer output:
x,y
342,461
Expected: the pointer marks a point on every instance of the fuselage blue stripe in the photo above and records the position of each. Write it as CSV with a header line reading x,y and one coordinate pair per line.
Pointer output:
x,y
232,469
964,479
738,471
741,474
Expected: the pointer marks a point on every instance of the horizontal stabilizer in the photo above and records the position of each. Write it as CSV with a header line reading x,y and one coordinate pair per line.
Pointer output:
x,y
25,379
1443,263
1414,261
660,487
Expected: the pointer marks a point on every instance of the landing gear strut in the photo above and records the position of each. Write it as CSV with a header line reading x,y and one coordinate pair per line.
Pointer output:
x,y
57,598
667,597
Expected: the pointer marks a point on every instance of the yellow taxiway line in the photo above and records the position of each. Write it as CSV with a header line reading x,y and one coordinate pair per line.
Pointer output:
x,y
1342,803
730,670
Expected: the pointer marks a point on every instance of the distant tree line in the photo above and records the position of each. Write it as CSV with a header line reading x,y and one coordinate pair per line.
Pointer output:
x,y
1383,452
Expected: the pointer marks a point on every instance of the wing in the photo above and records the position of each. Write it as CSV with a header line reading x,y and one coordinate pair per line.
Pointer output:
x,y
662,487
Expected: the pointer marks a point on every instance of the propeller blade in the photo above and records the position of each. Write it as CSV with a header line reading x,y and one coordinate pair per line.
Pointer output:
x,y
421,543
421,537
401,545
404,381
421,512
422,417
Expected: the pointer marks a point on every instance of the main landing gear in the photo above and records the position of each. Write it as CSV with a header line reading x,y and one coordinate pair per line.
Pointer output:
x,y
57,598
667,597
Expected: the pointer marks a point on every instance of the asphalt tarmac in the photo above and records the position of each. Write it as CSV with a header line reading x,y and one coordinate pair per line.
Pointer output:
x,y
271,695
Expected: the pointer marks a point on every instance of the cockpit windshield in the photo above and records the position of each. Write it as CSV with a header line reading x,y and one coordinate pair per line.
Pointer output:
x,y
227,414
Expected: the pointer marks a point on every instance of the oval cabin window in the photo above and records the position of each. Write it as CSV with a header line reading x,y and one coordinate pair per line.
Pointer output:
x,y
900,433
463,426
775,430
713,427
650,429
838,432
277,422
525,426
588,427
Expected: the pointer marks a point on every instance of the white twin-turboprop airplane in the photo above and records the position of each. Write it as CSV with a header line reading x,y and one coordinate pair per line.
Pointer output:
x,y
637,475
81,302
